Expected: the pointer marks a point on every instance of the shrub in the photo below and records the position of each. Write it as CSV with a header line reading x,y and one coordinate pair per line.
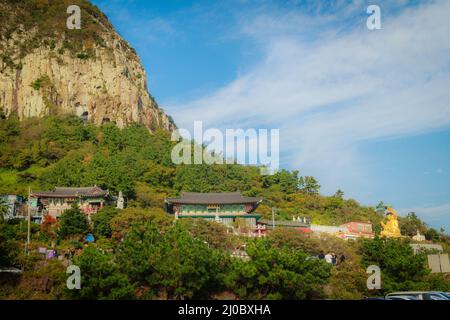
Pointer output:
x,y
73,223
41,82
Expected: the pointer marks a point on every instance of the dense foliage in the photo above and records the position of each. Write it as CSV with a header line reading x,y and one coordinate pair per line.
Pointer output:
x,y
65,151
48,19
73,223
401,269
102,222
172,264
277,273
102,278
140,253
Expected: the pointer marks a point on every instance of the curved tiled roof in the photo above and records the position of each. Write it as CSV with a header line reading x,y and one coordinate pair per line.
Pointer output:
x,y
60,192
213,198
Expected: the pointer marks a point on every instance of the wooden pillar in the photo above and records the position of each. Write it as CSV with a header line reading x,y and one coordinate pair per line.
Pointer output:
x,y
217,214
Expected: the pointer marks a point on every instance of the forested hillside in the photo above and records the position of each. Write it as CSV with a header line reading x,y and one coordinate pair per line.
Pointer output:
x,y
139,253
76,111
65,151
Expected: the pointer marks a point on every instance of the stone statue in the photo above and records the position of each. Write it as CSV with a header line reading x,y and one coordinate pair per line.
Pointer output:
x,y
120,201
391,228
419,237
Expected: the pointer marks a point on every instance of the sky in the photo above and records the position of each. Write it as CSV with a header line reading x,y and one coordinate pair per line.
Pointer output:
x,y
364,111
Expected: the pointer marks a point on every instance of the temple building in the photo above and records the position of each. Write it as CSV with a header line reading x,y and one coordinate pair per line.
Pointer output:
x,y
56,201
226,207
357,229
346,231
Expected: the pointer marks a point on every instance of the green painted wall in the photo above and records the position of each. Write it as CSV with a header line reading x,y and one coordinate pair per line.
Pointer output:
x,y
200,208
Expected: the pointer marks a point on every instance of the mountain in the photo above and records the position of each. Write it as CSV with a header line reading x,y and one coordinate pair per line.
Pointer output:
x,y
48,69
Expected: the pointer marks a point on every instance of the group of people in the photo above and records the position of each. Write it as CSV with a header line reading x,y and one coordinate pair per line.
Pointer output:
x,y
332,258
55,254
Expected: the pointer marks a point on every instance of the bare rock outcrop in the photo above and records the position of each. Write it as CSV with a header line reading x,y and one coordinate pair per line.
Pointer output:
x,y
91,72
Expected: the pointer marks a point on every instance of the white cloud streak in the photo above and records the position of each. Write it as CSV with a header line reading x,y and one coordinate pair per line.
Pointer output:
x,y
329,90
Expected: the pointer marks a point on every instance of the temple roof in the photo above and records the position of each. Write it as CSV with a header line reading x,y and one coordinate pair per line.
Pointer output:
x,y
213,198
61,192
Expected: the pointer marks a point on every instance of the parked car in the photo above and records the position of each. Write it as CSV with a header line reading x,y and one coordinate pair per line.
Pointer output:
x,y
447,294
419,295
401,297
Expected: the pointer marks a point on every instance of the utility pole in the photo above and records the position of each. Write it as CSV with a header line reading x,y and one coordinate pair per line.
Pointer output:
x,y
29,221
273,218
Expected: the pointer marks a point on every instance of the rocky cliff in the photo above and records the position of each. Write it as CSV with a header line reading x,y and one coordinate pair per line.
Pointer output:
x,y
46,68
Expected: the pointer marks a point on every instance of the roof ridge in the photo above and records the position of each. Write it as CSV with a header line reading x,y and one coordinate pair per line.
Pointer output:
x,y
75,187
231,192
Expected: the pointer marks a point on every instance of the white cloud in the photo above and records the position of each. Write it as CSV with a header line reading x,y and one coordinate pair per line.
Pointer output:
x,y
333,90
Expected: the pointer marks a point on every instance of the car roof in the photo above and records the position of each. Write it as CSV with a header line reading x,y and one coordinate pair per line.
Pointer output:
x,y
405,297
419,293
411,292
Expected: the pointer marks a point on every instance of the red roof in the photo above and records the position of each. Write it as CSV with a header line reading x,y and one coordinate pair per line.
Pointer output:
x,y
364,222
305,230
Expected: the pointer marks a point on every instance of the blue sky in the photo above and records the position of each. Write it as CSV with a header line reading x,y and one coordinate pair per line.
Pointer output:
x,y
364,111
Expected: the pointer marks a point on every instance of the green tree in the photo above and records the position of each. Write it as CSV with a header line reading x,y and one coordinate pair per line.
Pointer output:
x,y
309,185
73,223
214,178
101,277
158,175
3,210
211,232
115,171
401,269
13,233
123,222
339,194
102,221
170,264
432,234
410,224
148,196
286,180
69,171
9,249
277,273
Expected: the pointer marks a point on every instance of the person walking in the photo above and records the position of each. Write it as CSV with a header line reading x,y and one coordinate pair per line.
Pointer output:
x,y
341,258
321,255
328,258
333,259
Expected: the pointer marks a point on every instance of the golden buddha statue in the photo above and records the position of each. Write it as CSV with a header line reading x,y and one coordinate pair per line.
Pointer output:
x,y
391,228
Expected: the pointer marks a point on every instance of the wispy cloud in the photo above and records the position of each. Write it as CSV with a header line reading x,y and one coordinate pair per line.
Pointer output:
x,y
436,216
330,85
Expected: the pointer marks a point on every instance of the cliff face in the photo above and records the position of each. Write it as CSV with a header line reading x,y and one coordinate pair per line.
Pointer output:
x,y
46,68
